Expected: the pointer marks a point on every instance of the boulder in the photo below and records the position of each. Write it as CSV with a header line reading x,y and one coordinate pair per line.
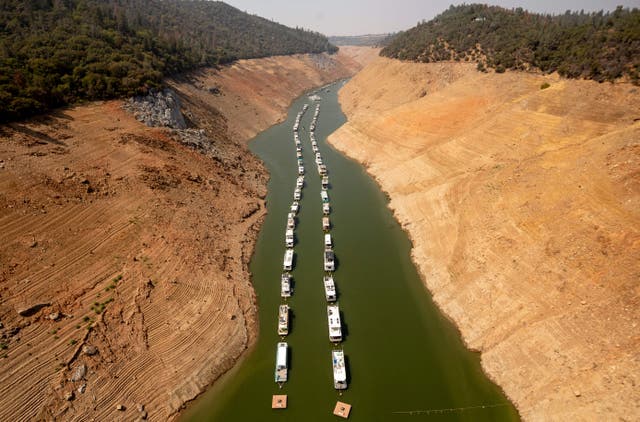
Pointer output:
x,y
79,372
89,350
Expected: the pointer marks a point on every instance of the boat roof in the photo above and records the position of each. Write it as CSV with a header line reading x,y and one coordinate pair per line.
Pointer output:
x,y
281,357
334,317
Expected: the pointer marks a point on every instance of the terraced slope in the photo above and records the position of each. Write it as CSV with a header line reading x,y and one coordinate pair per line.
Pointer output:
x,y
522,204
117,236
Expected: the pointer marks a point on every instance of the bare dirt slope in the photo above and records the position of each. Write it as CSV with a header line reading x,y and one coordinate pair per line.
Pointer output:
x,y
524,209
123,253
250,94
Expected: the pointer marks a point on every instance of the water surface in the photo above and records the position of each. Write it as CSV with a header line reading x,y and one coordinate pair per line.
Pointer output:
x,y
403,355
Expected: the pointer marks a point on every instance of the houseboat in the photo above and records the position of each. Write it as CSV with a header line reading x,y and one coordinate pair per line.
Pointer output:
x,y
335,327
329,259
288,260
300,170
329,288
295,206
281,362
291,223
325,182
285,285
288,238
326,224
327,240
326,208
325,196
297,194
300,182
322,169
283,320
339,370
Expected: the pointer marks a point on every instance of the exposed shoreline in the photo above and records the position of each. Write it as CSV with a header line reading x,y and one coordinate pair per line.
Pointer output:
x,y
156,234
407,124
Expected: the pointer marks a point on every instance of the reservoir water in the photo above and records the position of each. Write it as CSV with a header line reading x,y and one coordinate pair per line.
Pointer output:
x,y
405,360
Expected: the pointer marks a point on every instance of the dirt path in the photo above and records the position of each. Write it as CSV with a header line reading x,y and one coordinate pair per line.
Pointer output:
x,y
523,206
115,236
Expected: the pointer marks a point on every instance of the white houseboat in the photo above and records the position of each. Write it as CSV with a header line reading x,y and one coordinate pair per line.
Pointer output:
x,y
300,170
326,208
288,238
297,194
288,260
285,285
283,320
281,362
325,182
291,223
327,240
325,196
300,182
339,370
329,259
326,224
335,327
295,206
329,288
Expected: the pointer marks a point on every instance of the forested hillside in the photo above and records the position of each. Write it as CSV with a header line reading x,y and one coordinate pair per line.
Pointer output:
x,y
599,46
55,52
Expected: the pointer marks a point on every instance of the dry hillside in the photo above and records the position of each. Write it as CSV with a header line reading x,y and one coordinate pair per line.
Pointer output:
x,y
123,253
524,209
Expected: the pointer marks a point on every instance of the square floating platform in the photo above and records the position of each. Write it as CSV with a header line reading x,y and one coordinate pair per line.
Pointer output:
x,y
342,410
279,401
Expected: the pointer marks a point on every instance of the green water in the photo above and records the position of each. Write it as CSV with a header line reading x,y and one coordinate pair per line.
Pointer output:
x,y
402,354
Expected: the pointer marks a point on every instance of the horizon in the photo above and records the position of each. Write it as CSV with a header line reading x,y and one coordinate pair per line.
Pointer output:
x,y
384,17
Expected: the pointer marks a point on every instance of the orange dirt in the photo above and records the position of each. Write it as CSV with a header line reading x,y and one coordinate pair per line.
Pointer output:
x,y
523,206
250,93
137,245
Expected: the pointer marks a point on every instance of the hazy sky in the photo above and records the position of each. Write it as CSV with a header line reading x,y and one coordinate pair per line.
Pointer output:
x,y
356,17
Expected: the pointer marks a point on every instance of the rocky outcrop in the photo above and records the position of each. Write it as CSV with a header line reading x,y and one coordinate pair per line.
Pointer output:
x,y
158,109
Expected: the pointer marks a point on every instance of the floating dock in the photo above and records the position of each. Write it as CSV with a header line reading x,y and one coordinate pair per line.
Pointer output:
x,y
279,401
342,410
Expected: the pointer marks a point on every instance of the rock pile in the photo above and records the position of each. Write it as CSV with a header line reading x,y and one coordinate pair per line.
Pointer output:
x,y
158,109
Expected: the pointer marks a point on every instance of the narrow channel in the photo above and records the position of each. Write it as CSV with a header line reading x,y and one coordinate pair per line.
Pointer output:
x,y
402,354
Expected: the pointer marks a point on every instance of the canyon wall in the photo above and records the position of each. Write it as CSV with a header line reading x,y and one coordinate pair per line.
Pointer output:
x,y
523,204
124,248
